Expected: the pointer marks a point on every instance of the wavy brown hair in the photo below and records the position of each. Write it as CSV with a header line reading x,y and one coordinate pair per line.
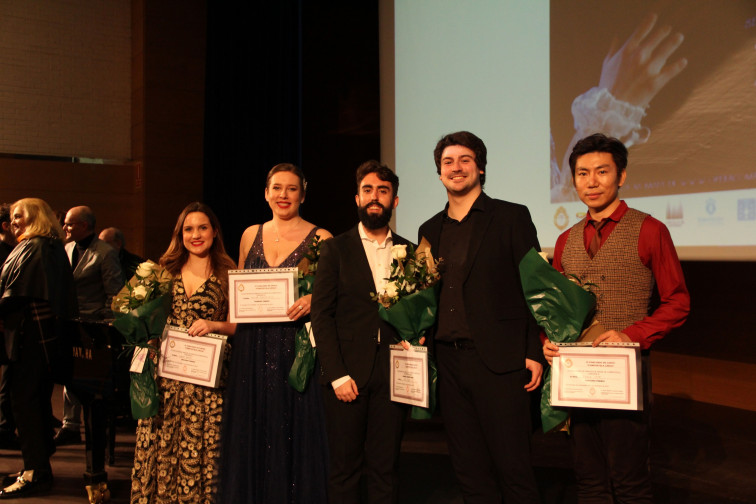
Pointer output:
x,y
176,256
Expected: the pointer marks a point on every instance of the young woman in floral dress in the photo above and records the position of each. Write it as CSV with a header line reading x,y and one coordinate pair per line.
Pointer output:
x,y
176,456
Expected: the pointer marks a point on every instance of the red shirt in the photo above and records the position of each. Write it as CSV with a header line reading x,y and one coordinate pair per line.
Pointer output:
x,y
656,252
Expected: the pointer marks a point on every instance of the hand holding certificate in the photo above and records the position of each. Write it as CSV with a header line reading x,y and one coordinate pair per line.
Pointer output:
x,y
409,375
262,295
607,376
191,359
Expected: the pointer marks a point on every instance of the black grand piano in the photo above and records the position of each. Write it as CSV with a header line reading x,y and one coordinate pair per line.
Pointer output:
x,y
101,382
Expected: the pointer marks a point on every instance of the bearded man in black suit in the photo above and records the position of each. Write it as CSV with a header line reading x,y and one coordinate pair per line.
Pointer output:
x,y
364,426
486,341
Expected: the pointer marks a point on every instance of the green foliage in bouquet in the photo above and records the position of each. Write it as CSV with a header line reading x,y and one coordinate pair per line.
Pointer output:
x,y
141,310
304,354
563,308
409,303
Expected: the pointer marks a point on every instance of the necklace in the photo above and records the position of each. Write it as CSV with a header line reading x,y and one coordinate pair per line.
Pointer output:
x,y
293,227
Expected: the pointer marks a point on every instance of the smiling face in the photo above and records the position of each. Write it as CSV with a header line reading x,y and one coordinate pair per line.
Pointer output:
x,y
198,234
459,172
75,227
597,183
18,221
284,194
375,201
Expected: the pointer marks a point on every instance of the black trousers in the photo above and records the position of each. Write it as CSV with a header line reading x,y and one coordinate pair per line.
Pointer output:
x,y
611,451
487,419
364,436
7,422
31,386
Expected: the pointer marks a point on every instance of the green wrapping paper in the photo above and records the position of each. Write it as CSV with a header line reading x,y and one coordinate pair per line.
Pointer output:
x,y
138,327
563,309
412,316
304,354
304,360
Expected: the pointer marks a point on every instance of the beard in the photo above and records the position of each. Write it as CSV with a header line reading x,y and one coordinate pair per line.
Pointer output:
x,y
374,221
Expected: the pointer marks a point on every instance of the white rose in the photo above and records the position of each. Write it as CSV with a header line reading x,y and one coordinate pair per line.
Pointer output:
x,y
140,292
391,289
544,255
124,309
399,252
408,287
145,268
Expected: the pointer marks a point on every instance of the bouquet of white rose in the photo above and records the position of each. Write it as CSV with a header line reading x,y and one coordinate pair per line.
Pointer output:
x,y
141,310
409,303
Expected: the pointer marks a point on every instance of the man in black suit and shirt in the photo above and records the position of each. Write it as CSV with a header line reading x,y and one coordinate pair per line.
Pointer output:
x,y
364,427
486,342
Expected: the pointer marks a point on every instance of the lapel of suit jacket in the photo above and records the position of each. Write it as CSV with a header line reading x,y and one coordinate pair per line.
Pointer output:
x,y
434,233
480,227
84,259
356,253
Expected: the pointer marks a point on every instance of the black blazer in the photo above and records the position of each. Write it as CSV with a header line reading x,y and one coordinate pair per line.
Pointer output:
x,y
503,329
345,320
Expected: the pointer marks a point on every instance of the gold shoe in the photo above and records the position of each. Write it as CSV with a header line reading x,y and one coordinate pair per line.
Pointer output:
x,y
98,493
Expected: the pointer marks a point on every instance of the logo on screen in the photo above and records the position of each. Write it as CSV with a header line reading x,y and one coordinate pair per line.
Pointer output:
x,y
674,214
711,206
747,209
710,219
561,219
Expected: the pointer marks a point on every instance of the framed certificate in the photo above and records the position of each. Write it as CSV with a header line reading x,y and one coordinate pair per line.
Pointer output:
x,y
262,295
191,359
607,376
409,375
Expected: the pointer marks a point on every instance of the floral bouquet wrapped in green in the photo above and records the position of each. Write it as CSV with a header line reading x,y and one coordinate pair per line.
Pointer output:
x,y
410,304
563,308
304,353
141,310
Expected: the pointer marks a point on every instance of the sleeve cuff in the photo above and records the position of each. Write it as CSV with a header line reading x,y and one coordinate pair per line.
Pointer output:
x,y
340,381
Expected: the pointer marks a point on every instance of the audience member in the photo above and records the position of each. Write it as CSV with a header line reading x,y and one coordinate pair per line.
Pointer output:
x,y
97,276
8,439
129,262
36,291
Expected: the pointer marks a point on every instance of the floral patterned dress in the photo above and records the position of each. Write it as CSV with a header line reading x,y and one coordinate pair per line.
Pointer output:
x,y
176,455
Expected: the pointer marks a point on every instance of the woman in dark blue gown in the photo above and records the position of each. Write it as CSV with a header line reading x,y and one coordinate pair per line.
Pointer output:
x,y
274,445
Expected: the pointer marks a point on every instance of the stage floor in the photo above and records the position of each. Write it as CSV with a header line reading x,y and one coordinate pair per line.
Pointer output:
x,y
702,454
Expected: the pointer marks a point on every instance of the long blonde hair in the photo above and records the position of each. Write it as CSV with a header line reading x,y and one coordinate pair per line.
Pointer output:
x,y
40,219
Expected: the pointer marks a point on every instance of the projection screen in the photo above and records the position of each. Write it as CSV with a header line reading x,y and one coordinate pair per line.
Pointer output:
x,y
530,78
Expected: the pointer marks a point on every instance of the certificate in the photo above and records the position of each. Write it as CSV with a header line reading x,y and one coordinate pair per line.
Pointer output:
x,y
191,359
409,375
607,376
262,295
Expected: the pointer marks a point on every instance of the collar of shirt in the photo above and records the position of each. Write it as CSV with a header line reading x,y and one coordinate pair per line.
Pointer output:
x,y
589,230
618,213
378,256
85,242
476,206
363,235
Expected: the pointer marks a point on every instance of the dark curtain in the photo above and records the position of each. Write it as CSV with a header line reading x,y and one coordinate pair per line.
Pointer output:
x,y
294,82
252,108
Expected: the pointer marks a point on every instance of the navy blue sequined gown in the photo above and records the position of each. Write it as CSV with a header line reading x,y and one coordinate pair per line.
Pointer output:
x,y
274,440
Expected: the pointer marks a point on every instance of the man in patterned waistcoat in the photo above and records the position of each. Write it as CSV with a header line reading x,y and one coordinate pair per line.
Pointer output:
x,y
627,254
